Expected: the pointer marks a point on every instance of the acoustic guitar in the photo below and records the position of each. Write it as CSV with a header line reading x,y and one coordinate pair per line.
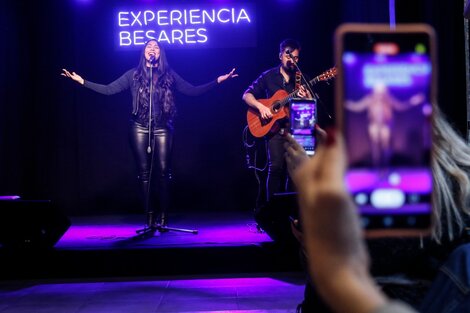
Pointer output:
x,y
278,104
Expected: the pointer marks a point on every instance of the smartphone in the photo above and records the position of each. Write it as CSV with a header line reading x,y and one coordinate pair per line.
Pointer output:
x,y
384,94
303,116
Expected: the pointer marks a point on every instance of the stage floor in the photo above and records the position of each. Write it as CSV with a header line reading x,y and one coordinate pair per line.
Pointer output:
x,y
109,246
119,231
260,293
101,264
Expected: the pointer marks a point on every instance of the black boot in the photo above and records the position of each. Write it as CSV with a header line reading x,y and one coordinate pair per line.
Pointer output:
x,y
164,220
150,220
163,223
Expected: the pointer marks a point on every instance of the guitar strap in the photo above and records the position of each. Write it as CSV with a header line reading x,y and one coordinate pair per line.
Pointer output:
x,y
298,80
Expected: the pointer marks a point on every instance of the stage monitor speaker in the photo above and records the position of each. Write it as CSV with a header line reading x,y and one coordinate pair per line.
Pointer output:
x,y
31,224
274,217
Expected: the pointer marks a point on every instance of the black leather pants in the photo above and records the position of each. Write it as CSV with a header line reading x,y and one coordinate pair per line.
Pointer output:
x,y
153,168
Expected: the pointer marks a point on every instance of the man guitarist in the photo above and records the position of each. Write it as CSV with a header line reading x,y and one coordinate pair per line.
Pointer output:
x,y
282,77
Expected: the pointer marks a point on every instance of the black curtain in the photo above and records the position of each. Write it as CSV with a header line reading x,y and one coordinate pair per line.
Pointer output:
x,y
61,142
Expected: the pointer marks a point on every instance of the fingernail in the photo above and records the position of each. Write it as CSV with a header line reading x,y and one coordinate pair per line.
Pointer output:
x,y
330,136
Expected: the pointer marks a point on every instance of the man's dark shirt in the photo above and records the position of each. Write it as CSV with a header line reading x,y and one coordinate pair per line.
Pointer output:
x,y
269,82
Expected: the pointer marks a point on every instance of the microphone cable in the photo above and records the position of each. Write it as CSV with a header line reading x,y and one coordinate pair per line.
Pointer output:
x,y
248,146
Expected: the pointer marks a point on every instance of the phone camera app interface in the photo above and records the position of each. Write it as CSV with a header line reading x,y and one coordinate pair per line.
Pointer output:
x,y
387,120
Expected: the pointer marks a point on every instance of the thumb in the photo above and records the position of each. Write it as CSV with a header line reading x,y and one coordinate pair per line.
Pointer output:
x,y
333,158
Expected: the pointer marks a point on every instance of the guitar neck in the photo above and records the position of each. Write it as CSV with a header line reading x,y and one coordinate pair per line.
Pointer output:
x,y
331,73
292,94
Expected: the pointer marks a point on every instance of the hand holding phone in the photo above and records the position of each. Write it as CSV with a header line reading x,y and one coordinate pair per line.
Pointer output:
x,y
384,97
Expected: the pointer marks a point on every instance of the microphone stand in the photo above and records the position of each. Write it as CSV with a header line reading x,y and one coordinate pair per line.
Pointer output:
x,y
149,149
309,86
149,230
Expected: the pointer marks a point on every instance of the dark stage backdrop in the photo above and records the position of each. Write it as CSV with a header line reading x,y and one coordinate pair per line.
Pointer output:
x,y
65,143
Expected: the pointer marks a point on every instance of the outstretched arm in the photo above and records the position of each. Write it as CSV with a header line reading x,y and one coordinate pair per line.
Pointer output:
x,y
73,76
405,105
223,78
358,106
120,84
190,90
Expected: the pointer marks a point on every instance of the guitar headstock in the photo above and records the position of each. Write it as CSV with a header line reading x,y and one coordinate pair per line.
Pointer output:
x,y
328,74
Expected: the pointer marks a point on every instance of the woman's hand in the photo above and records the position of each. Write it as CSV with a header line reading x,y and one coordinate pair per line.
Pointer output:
x,y
295,157
73,76
333,238
226,76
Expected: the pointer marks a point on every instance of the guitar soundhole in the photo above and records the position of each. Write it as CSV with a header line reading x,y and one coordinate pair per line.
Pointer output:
x,y
276,107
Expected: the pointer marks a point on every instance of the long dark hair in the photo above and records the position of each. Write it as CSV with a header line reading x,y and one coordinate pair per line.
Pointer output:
x,y
162,82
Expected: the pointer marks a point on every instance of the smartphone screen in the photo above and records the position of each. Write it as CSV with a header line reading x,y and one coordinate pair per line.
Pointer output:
x,y
303,114
384,105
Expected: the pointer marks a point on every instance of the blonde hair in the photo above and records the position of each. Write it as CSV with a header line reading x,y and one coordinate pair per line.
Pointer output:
x,y
451,170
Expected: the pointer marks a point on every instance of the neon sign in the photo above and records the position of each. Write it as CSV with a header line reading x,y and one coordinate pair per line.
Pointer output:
x,y
187,27
399,74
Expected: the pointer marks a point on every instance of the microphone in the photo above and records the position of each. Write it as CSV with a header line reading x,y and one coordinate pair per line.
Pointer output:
x,y
292,60
152,60
289,53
